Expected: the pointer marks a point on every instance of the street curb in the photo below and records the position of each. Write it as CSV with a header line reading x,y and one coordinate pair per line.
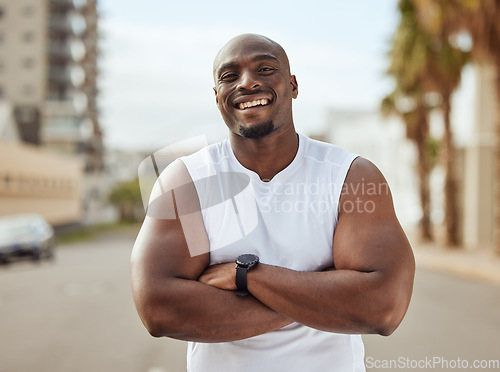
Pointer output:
x,y
479,265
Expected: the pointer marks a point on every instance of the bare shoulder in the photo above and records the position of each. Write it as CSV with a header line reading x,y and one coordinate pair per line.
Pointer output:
x,y
172,190
362,170
368,234
171,242
366,187
174,175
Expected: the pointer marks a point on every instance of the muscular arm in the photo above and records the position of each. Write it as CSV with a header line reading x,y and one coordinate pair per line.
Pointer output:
x,y
168,297
370,290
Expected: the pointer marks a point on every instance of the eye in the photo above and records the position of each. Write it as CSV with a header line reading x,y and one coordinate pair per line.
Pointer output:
x,y
267,70
228,76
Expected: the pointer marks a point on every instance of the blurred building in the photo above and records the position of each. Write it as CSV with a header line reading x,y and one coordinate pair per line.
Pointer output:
x,y
477,191
48,73
36,180
120,166
382,141
8,128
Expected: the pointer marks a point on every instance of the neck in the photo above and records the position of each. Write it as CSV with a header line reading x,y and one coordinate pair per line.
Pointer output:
x,y
266,156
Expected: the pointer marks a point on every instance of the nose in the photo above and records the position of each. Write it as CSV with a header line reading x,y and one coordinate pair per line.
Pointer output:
x,y
248,81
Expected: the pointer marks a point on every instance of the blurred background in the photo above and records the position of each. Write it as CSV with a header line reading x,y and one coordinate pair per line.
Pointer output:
x,y
91,88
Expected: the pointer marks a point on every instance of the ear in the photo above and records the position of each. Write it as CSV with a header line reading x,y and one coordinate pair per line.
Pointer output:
x,y
216,95
295,86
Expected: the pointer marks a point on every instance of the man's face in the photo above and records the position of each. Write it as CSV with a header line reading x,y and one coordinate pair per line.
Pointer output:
x,y
253,87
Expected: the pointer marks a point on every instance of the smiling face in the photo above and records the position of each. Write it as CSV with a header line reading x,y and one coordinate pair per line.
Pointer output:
x,y
253,86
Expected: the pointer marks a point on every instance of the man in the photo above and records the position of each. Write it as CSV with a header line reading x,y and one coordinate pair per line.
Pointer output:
x,y
321,257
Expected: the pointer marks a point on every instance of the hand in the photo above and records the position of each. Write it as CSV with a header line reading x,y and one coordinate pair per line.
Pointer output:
x,y
221,276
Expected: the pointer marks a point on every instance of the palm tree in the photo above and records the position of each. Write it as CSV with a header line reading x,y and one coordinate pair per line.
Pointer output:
x,y
408,55
444,68
480,19
424,61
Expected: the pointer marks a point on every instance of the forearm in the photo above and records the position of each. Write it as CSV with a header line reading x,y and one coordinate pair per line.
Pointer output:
x,y
342,301
193,311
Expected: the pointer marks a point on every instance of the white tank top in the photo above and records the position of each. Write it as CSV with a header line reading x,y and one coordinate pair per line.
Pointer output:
x,y
289,222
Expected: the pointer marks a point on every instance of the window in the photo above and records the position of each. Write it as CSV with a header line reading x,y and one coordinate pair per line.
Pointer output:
x,y
28,36
25,114
28,62
28,11
28,90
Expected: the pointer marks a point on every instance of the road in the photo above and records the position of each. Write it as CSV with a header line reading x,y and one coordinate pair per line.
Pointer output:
x,y
77,314
450,318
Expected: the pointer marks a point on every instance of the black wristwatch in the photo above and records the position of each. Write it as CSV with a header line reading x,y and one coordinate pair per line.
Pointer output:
x,y
244,263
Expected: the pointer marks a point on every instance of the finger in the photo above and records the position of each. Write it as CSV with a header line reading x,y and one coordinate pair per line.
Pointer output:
x,y
204,278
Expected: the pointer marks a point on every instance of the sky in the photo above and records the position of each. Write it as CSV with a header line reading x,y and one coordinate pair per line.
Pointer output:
x,y
156,62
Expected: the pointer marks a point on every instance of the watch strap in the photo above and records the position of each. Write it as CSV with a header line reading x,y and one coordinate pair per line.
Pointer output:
x,y
241,280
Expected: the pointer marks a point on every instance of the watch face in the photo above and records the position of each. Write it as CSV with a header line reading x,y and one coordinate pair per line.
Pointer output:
x,y
247,260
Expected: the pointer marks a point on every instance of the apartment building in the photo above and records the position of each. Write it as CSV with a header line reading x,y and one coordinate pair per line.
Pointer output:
x,y
48,72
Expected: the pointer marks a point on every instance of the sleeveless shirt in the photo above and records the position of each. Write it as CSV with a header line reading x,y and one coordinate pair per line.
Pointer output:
x,y
288,221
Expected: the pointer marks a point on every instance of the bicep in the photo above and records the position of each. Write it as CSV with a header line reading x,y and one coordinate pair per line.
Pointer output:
x,y
368,236
161,267
161,251
170,245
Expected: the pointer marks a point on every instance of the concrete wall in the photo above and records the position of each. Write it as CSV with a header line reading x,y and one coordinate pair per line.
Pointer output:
x,y
383,142
23,51
479,177
33,180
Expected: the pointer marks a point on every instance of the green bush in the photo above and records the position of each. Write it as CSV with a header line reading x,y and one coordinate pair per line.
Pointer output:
x,y
126,196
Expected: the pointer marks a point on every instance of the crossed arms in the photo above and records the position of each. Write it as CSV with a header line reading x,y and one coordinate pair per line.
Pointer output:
x,y
180,296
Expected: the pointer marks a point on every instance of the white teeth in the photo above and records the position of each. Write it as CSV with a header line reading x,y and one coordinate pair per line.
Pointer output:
x,y
259,102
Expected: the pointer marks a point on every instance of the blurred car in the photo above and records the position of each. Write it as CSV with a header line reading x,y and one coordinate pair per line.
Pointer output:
x,y
25,235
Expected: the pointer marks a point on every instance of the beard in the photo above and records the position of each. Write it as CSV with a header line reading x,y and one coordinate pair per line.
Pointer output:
x,y
258,130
